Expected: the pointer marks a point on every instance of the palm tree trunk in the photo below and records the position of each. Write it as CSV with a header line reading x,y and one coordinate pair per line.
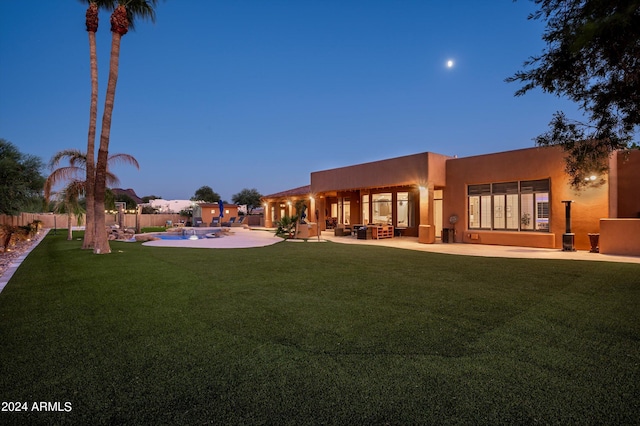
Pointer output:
x,y
101,243
92,25
69,227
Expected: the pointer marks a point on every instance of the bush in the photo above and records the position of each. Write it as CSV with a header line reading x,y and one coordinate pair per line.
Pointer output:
x,y
10,234
286,226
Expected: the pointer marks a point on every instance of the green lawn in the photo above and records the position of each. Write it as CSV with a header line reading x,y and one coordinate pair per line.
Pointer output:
x,y
318,334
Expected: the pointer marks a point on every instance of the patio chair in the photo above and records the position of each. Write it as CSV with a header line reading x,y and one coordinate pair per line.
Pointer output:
x,y
342,230
215,222
231,222
197,221
239,222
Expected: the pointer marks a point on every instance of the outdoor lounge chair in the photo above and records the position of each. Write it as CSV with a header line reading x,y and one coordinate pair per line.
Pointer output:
x,y
215,222
197,221
239,222
231,221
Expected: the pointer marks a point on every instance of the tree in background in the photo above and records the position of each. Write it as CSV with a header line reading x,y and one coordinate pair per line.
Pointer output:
x,y
122,19
149,209
20,180
148,198
593,58
249,197
109,200
130,202
206,193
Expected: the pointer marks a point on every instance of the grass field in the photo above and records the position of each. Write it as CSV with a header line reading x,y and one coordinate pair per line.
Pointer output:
x,y
317,334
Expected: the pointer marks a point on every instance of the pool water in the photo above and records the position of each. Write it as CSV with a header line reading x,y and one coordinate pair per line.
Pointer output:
x,y
178,237
184,235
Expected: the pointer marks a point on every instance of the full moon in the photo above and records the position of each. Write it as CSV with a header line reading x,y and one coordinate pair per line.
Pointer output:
x,y
450,63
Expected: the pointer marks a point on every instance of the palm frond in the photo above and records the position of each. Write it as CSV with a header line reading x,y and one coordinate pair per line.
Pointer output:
x,y
123,159
74,190
112,179
139,9
75,157
69,173
75,172
68,199
102,4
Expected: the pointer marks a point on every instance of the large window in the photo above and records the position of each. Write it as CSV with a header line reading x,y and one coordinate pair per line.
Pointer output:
x,y
510,206
365,209
382,208
505,205
535,205
405,209
346,211
480,206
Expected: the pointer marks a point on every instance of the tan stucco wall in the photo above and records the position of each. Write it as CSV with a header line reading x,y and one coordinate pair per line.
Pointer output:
x,y
620,236
408,170
628,184
526,164
207,216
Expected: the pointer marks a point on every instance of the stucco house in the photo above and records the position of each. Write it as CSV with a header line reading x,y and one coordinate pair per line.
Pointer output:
x,y
209,213
170,206
518,198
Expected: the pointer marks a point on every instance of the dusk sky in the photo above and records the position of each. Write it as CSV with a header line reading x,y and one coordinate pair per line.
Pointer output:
x,y
258,94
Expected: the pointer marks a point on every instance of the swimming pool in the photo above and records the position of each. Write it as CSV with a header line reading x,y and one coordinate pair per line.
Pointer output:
x,y
188,234
179,237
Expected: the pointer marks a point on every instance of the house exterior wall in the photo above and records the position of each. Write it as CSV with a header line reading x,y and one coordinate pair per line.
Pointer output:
x,y
628,184
170,206
401,171
277,207
424,174
401,174
587,208
211,211
620,236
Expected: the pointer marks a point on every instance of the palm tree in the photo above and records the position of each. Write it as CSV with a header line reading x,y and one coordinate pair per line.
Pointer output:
x,y
76,168
122,19
69,203
72,173
91,21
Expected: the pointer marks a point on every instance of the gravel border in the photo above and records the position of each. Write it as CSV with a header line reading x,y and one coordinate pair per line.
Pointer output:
x,y
10,261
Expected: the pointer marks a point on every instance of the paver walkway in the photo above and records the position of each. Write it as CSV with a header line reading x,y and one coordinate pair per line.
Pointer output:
x,y
411,243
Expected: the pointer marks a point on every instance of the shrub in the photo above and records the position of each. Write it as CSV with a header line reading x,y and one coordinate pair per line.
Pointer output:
x,y
286,226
